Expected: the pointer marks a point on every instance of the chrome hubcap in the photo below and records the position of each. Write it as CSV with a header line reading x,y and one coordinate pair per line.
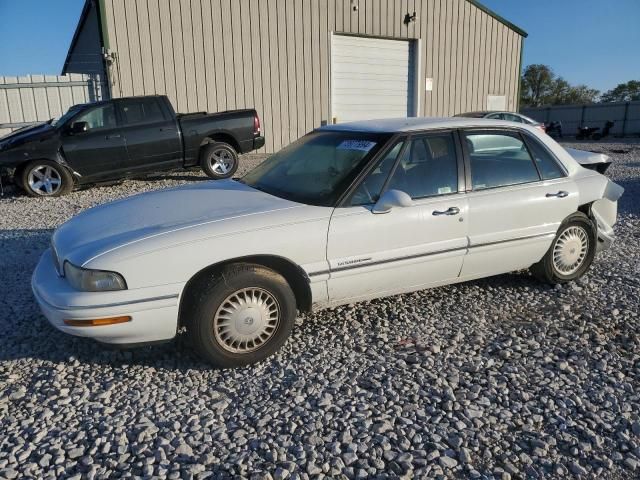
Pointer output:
x,y
44,180
570,250
246,320
221,161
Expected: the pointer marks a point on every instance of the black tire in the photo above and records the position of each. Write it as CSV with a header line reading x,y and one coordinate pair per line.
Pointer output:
x,y
546,269
212,296
33,179
219,160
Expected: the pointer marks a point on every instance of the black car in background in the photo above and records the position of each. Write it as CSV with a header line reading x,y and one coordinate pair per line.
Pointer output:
x,y
122,138
508,116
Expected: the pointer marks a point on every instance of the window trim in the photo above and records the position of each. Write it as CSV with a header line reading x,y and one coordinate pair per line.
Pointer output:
x,y
467,157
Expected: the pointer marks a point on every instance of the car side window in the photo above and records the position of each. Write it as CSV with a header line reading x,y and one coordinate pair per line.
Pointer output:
x,y
369,190
547,165
102,116
512,118
143,110
428,167
499,159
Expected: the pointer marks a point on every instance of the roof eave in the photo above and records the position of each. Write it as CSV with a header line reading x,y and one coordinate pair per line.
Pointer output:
x,y
501,19
83,17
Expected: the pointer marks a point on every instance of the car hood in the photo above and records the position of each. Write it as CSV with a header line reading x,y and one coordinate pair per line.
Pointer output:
x,y
26,134
108,227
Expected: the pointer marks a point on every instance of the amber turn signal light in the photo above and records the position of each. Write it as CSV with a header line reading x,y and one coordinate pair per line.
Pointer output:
x,y
96,322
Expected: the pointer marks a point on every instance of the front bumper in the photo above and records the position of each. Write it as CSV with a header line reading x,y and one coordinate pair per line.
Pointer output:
x,y
153,312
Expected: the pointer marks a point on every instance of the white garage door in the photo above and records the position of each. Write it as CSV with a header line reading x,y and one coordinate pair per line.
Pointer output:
x,y
371,78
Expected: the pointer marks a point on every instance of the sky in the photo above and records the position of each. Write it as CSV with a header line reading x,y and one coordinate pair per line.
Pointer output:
x,y
592,42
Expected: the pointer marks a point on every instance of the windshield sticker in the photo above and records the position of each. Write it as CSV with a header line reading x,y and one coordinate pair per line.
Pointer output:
x,y
361,145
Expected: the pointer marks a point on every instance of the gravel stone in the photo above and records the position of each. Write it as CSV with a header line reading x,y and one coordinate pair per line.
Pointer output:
x,y
501,377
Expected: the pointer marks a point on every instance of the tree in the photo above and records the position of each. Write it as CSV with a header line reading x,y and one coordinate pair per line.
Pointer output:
x,y
624,92
537,80
540,86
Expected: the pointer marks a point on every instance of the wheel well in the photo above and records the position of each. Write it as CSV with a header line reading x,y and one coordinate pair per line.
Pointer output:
x,y
221,137
292,273
586,209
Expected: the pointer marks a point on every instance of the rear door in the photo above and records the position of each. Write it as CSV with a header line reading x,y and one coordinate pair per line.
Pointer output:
x,y
151,134
518,196
407,248
100,152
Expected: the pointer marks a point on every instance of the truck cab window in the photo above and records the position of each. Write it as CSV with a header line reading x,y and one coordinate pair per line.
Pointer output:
x,y
146,110
99,117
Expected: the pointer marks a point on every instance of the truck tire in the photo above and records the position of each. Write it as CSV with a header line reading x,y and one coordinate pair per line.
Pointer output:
x,y
219,160
44,178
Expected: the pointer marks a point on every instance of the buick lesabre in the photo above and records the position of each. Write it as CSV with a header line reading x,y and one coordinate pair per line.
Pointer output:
x,y
347,213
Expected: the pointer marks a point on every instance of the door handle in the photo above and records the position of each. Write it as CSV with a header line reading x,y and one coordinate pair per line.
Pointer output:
x,y
560,194
167,129
449,211
109,137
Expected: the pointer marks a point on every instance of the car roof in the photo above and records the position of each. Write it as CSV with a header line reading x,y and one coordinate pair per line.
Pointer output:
x,y
398,125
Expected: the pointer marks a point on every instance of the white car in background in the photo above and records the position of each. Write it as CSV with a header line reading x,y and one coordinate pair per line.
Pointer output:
x,y
347,213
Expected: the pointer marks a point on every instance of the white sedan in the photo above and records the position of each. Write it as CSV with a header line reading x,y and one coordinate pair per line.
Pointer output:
x,y
347,213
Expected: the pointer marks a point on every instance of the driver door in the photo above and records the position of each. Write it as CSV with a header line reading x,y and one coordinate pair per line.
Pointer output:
x,y
100,151
407,248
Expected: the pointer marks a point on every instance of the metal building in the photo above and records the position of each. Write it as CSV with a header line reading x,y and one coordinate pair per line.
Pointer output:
x,y
303,63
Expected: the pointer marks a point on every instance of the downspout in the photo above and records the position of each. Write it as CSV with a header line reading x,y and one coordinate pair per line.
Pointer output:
x,y
104,40
520,73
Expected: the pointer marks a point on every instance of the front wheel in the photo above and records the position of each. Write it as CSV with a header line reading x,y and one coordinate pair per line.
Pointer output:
x,y
219,160
44,178
571,253
241,315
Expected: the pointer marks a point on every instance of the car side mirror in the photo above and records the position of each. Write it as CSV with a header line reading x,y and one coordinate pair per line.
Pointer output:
x,y
78,127
392,199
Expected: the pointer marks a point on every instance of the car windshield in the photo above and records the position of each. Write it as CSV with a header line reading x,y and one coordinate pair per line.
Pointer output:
x,y
317,168
66,116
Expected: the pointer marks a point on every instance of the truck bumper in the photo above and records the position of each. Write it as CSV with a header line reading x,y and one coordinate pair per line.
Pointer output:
x,y
258,142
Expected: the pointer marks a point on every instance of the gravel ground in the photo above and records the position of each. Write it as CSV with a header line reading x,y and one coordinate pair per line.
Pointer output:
x,y
498,378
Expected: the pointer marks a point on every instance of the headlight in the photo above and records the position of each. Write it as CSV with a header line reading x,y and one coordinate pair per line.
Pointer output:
x,y
87,280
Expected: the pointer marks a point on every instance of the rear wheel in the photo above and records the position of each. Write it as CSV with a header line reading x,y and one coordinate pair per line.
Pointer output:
x,y
44,178
241,315
219,160
571,253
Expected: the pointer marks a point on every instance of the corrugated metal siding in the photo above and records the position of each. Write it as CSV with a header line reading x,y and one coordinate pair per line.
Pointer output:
x,y
626,116
274,55
37,98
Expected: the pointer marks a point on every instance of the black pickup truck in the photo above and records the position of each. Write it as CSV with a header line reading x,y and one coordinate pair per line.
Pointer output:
x,y
122,138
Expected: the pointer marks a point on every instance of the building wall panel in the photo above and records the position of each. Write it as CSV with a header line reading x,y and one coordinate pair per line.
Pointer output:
x,y
275,55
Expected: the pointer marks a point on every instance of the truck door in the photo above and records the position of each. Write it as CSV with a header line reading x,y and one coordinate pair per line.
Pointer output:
x,y
99,151
151,135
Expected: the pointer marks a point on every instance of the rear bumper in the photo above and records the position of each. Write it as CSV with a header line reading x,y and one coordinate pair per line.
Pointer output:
x,y
154,316
258,142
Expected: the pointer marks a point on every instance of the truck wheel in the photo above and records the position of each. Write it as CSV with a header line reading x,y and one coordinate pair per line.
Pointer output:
x,y
219,160
44,178
240,316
